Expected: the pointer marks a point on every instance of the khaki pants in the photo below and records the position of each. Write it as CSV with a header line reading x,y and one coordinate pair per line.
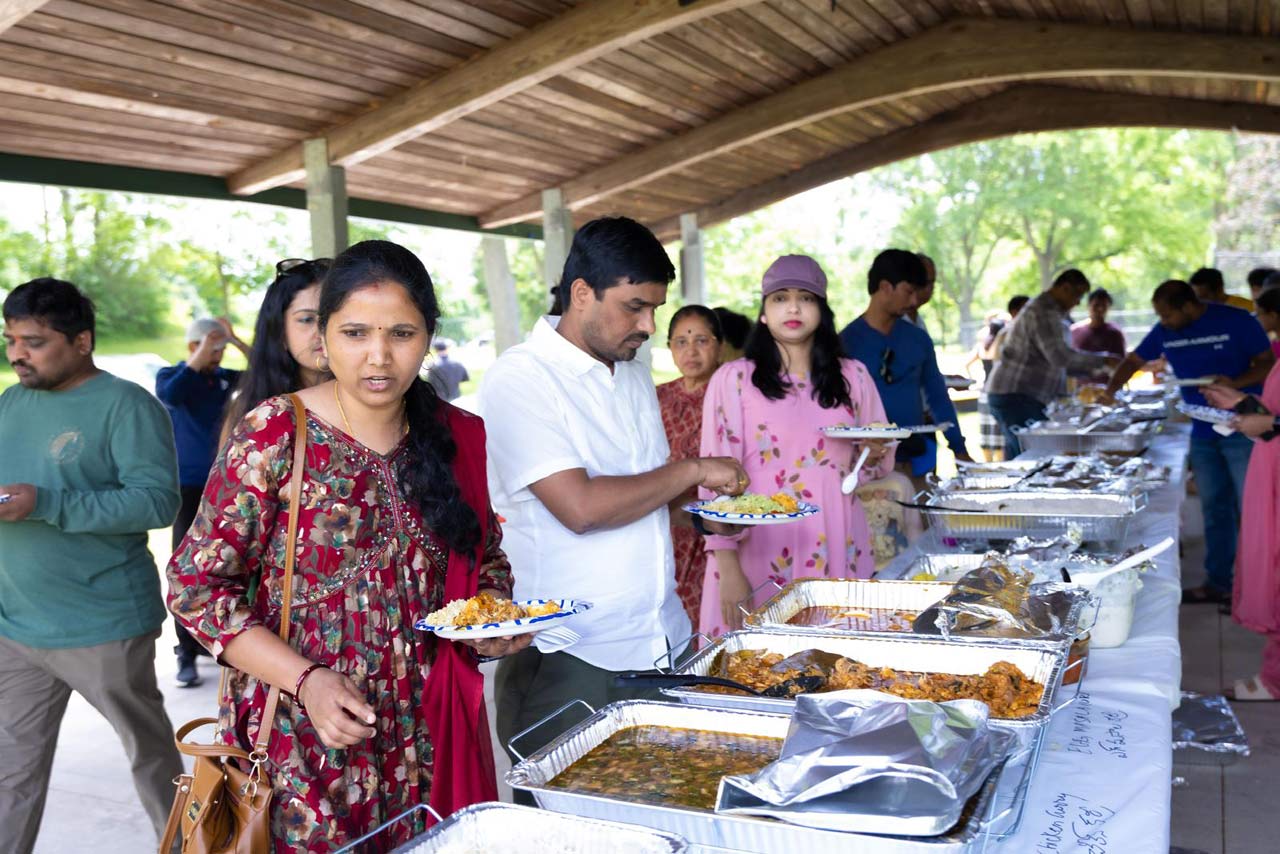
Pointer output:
x,y
119,680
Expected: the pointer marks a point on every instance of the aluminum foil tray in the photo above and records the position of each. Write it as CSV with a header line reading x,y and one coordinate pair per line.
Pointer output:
x,y
1072,441
1043,662
908,596
731,832
1035,514
511,829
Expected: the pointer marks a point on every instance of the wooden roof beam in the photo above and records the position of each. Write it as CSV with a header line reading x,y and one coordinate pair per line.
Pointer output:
x,y
13,11
957,54
1022,109
578,36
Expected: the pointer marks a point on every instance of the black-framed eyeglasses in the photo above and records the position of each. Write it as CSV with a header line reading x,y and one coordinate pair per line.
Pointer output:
x,y
886,365
289,265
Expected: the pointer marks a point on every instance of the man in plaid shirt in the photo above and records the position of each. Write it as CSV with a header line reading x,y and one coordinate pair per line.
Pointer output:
x,y
1033,367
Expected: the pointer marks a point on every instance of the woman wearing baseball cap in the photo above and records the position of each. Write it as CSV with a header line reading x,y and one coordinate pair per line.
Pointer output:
x,y
767,410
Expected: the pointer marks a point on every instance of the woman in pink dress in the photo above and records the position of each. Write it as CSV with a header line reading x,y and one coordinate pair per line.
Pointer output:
x,y
694,338
767,410
1255,601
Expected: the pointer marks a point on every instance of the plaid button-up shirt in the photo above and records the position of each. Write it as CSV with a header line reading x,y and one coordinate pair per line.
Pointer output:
x,y
1037,355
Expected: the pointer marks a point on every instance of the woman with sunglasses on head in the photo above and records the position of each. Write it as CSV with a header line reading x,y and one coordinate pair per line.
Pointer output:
x,y
287,354
694,337
767,410
394,520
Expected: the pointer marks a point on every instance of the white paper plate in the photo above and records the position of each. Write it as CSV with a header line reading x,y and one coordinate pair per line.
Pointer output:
x,y
707,510
847,432
1205,413
520,626
1193,381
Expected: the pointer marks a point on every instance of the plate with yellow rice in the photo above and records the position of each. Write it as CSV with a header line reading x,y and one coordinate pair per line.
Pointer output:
x,y
752,509
487,616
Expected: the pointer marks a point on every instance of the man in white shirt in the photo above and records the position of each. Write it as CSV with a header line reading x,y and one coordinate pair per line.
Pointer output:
x,y
579,471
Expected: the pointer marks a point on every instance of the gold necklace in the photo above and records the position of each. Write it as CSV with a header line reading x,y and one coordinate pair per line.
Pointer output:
x,y
404,425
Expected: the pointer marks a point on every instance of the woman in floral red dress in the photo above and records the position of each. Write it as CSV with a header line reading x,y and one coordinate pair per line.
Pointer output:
x,y
374,717
694,337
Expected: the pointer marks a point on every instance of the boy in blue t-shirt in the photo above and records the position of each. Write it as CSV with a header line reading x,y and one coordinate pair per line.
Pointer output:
x,y
1208,340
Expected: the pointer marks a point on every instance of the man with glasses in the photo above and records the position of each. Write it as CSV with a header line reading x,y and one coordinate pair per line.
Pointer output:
x,y
1033,365
195,393
900,355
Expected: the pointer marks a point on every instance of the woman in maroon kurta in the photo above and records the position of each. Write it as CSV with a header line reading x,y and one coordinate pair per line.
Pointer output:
x,y
394,521
694,338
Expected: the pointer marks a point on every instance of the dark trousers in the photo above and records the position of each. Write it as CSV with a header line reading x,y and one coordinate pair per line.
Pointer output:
x,y
187,649
1014,410
531,685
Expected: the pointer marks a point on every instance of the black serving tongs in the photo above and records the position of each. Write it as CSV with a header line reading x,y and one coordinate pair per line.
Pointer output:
x,y
800,684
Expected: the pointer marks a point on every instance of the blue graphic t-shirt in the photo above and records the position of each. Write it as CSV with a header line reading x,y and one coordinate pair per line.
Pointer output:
x,y
1223,341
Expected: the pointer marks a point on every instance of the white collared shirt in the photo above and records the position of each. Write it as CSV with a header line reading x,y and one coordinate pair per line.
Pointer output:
x,y
549,407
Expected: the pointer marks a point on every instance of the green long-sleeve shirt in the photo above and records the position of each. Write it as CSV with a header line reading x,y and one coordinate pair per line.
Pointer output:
x,y
77,572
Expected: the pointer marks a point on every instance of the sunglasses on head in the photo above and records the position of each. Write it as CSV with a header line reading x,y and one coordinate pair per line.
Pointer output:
x,y
289,265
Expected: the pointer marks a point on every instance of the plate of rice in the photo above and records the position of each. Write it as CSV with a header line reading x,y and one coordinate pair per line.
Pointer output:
x,y
488,616
752,509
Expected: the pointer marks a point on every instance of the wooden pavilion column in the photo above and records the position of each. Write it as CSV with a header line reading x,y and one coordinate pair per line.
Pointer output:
x,y
326,199
501,287
557,235
693,268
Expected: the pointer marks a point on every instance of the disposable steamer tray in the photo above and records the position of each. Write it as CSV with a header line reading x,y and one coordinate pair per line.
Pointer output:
x,y
1042,662
908,596
505,827
984,821
1071,440
1033,514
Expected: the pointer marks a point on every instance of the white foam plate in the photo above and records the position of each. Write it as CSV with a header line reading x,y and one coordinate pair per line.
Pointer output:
x,y
707,510
841,431
520,626
1210,414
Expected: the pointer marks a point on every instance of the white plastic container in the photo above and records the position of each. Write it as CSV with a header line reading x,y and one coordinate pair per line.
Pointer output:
x,y
1118,594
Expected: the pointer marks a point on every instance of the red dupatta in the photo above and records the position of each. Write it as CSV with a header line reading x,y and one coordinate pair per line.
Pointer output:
x,y
453,696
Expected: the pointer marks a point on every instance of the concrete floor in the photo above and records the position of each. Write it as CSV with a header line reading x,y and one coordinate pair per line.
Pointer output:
x,y
1231,810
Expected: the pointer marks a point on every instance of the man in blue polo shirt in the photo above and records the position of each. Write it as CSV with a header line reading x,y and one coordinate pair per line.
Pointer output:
x,y
1208,340
195,392
900,355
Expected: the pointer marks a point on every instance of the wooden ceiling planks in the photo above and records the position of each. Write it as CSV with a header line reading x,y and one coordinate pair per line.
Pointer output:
x,y
219,86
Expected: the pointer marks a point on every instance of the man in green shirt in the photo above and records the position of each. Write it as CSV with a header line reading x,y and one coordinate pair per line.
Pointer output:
x,y
87,467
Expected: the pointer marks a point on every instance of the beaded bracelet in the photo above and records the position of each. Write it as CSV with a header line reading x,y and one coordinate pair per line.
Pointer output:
x,y
297,688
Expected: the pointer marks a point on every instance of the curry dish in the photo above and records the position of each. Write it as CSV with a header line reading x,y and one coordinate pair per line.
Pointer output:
x,y
843,618
667,765
1007,690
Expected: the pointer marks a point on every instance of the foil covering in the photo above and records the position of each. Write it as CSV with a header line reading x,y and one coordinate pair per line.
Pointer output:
x,y
997,601
1206,731
869,762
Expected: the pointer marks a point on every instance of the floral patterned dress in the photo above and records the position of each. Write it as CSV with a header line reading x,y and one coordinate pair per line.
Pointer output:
x,y
682,420
366,570
782,448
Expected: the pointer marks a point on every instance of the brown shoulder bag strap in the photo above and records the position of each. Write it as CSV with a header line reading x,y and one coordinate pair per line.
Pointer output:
x,y
298,473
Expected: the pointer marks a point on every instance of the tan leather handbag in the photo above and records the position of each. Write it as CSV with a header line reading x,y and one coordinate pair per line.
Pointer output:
x,y
220,808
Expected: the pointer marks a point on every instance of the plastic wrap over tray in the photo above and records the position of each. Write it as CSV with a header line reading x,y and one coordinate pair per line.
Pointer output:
x,y
736,833
867,762
1206,731
867,603
1042,662
493,828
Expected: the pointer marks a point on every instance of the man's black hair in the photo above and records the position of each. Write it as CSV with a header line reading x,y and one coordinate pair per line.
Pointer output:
x,y
613,251
1208,277
1258,276
1016,303
57,304
1175,293
894,266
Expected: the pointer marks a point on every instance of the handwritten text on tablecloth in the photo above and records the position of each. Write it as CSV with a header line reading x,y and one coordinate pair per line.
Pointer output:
x,y
1075,824
1097,731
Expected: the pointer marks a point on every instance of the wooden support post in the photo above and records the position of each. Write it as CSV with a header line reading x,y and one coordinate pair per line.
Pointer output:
x,y
693,270
326,200
501,287
557,235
